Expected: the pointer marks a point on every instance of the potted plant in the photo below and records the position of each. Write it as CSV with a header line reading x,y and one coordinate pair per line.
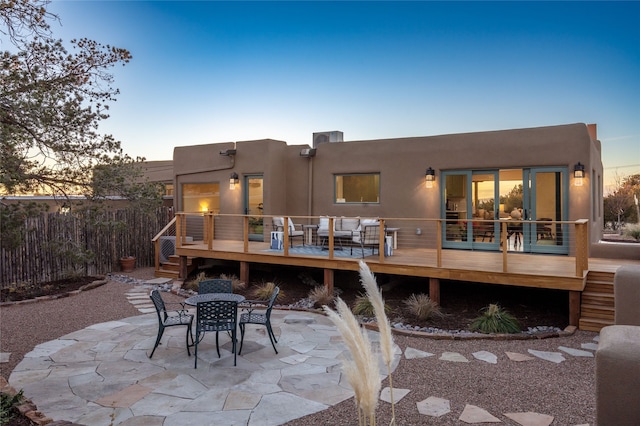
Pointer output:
x,y
127,263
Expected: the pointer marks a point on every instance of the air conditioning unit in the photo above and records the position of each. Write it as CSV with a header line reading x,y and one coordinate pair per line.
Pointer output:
x,y
327,137
168,247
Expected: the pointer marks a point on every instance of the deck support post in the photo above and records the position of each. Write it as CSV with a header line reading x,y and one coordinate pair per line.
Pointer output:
x,y
574,307
183,272
434,290
328,280
244,272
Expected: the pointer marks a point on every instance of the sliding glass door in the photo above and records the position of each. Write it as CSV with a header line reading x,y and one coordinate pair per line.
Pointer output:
x,y
472,199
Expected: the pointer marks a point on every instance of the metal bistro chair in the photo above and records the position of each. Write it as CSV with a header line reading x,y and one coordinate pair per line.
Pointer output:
x,y
170,318
215,286
217,315
252,317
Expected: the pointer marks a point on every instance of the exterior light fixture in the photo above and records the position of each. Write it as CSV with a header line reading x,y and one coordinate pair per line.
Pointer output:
x,y
308,152
233,180
430,177
228,152
578,174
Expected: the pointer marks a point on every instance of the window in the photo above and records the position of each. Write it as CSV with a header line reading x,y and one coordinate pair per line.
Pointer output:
x,y
201,197
357,188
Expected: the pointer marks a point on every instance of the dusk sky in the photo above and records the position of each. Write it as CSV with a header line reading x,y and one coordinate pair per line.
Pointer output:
x,y
207,72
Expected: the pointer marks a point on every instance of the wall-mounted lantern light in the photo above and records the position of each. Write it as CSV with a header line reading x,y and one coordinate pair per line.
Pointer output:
x,y
430,177
233,180
578,174
308,152
228,152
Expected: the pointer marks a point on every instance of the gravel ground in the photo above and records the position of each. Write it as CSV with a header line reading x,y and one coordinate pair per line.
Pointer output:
x,y
565,391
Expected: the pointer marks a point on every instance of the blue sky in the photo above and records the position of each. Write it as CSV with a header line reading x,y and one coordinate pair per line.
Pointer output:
x,y
205,72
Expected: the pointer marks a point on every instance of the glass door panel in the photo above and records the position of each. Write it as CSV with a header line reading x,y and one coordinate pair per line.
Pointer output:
x,y
511,207
456,206
547,201
483,207
253,206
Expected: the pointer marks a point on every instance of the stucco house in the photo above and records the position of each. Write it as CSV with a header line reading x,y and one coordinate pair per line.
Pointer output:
x,y
549,173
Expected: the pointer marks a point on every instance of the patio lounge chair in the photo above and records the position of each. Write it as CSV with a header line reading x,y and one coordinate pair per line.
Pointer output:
x,y
169,318
369,236
218,315
295,229
252,317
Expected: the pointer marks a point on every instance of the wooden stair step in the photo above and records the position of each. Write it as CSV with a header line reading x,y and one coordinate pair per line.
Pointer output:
x,y
593,324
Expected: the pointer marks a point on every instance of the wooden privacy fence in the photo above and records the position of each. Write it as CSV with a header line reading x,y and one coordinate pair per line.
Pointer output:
x,y
57,245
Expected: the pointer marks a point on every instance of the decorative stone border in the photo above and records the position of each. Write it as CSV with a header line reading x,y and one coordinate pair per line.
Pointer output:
x,y
85,287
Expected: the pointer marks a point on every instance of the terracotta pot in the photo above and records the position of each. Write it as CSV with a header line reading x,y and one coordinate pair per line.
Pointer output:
x,y
127,264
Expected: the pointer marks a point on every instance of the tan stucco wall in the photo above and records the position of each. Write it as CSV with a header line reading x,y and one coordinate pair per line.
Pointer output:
x,y
401,162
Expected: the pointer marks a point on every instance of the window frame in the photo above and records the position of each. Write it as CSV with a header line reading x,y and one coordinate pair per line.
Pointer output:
x,y
340,191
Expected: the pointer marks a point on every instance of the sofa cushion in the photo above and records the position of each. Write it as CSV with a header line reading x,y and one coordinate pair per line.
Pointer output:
x,y
349,223
323,226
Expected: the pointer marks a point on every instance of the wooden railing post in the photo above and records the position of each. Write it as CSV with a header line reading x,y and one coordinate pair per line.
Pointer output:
x,y
331,225
245,227
285,238
210,224
504,243
439,242
582,247
381,240
179,220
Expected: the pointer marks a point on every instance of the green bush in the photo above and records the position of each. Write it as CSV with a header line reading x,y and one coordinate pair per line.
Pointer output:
x,y
363,306
264,291
633,231
494,319
7,403
422,307
321,296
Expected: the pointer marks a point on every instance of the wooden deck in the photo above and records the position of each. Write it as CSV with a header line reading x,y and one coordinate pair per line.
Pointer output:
x,y
525,270
588,281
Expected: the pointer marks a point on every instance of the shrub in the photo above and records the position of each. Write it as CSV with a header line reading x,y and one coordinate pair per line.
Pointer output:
x,y
321,296
422,307
7,406
494,319
363,306
633,231
236,283
264,291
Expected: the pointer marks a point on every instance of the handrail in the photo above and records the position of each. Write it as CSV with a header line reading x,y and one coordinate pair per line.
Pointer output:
x,y
165,229
575,236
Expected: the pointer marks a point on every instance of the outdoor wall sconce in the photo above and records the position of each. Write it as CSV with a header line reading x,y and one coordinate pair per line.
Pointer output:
x,y
228,152
578,174
233,180
308,152
430,177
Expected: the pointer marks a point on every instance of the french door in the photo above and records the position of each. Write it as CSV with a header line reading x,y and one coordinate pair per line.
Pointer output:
x,y
545,201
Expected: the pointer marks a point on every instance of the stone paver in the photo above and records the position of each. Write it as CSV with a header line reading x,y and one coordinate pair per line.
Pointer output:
x,y
109,377
411,353
576,352
398,394
548,356
434,406
486,357
530,419
453,357
518,357
473,414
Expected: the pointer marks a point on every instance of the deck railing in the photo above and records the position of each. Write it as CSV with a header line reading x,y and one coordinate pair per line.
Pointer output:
x,y
432,236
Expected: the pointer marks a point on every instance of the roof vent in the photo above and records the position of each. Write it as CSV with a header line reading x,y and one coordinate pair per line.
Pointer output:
x,y
327,137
